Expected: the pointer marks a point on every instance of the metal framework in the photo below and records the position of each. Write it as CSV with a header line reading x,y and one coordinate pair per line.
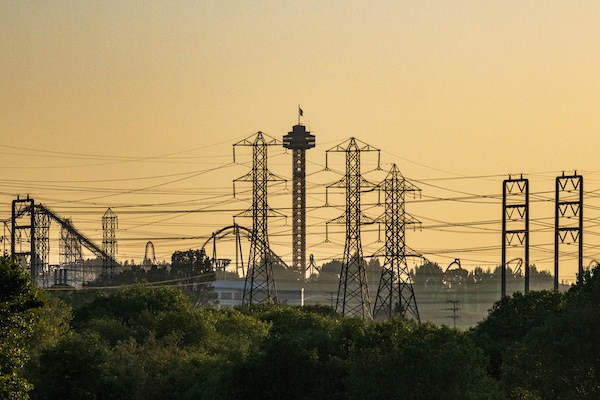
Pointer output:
x,y
22,240
109,244
568,208
42,245
30,240
260,282
515,223
237,231
31,227
395,295
299,140
353,290
149,255
71,257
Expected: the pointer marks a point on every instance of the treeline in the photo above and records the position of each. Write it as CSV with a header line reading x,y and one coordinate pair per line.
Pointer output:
x,y
141,342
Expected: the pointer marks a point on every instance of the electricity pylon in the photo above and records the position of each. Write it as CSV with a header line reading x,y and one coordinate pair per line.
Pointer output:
x,y
395,295
353,291
260,282
568,208
515,223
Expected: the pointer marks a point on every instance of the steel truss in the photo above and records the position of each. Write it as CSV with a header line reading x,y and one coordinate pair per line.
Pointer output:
x,y
395,295
260,282
109,244
30,240
353,290
568,207
22,241
515,223
71,258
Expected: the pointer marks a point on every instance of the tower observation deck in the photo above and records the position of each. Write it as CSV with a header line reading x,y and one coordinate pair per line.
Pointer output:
x,y
299,140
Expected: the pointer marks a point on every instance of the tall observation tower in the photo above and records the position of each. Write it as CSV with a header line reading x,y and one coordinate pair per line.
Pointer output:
x,y
299,140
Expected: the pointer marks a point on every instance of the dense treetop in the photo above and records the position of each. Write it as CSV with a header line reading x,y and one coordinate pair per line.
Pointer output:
x,y
154,343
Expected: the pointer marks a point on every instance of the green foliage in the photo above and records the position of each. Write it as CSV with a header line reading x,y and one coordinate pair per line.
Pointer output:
x,y
510,320
129,303
586,292
563,350
429,275
52,322
18,304
138,341
558,360
190,263
330,272
302,357
544,345
76,368
402,360
152,343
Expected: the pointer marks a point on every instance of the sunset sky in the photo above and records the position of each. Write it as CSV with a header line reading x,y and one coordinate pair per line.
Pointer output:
x,y
136,105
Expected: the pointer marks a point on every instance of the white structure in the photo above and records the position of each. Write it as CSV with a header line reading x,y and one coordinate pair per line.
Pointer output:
x,y
231,293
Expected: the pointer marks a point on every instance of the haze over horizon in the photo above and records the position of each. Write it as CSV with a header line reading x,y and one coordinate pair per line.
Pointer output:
x,y
136,106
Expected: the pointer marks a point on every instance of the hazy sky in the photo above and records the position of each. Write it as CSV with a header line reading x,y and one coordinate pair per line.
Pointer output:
x,y
135,106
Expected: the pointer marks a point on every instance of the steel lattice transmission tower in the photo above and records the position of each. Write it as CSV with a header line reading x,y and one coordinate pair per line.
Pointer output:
x,y
568,208
299,140
395,295
109,243
260,283
353,291
515,223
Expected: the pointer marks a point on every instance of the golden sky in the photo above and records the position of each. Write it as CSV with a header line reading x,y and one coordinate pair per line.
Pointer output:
x,y
136,105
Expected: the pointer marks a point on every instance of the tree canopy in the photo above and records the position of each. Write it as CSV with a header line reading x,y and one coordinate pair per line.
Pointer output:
x,y
18,303
150,342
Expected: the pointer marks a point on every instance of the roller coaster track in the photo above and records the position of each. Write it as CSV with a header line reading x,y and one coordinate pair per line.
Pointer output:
x,y
91,246
232,230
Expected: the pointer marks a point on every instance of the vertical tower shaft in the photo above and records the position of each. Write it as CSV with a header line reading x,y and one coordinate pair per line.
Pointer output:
x,y
299,140
109,243
568,208
40,262
395,295
515,223
22,240
353,291
31,227
260,282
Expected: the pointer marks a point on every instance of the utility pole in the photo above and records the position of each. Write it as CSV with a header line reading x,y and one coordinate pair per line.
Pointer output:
x,y
454,310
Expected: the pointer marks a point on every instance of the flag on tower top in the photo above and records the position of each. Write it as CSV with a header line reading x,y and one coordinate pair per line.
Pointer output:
x,y
300,112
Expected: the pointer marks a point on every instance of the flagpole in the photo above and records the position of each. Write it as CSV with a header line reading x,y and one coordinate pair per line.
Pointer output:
x,y
299,113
